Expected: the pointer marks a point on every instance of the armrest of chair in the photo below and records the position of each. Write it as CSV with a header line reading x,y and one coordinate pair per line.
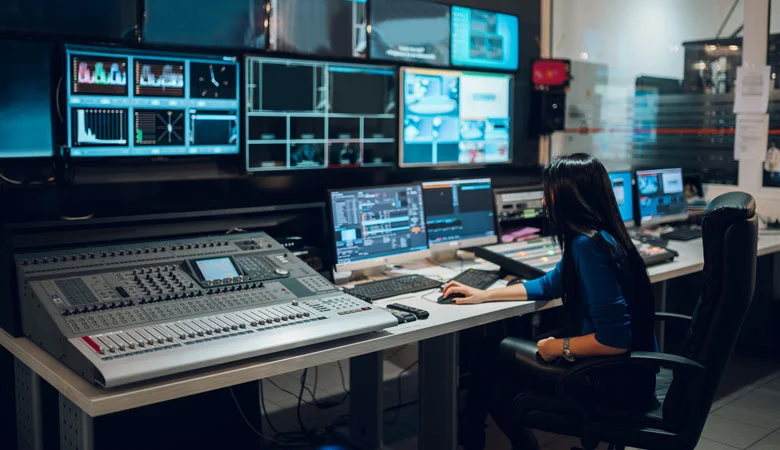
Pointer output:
x,y
672,317
685,367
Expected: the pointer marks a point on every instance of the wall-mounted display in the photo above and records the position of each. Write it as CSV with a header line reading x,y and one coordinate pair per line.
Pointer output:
x,y
414,31
484,39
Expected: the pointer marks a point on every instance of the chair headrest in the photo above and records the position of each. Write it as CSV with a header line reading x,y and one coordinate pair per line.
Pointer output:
x,y
731,207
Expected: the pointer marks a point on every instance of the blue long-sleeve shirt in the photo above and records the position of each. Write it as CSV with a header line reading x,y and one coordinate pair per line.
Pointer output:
x,y
603,307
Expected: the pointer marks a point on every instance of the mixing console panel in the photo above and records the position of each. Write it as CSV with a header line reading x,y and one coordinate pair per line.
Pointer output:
x,y
127,313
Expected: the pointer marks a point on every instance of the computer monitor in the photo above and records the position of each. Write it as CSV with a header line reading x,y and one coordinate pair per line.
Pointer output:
x,y
519,203
322,27
455,118
25,100
484,39
623,187
376,226
661,196
459,213
317,115
415,31
130,103
206,23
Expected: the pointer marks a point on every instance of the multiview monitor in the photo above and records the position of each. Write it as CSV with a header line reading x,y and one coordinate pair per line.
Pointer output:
x,y
661,196
25,100
373,227
415,31
459,213
455,118
128,103
317,115
623,188
484,39
321,27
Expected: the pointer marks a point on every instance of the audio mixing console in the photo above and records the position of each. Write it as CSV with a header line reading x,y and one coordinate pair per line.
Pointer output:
x,y
126,313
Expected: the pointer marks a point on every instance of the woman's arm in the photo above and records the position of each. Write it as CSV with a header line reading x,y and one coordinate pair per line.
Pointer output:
x,y
474,296
551,349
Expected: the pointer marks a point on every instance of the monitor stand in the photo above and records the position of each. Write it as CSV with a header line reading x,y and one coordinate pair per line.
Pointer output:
x,y
341,278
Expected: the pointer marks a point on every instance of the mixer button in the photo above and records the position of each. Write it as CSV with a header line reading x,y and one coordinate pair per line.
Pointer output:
x,y
299,316
120,344
106,344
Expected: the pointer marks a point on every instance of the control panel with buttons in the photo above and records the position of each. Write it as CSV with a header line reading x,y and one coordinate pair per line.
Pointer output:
x,y
128,313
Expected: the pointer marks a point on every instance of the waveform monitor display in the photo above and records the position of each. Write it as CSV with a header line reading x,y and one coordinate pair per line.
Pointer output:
x,y
484,39
316,115
168,104
322,27
455,118
98,75
25,100
410,30
378,224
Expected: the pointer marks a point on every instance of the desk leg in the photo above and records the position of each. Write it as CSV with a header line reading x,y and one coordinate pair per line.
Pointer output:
x,y
29,410
76,427
438,393
660,295
365,401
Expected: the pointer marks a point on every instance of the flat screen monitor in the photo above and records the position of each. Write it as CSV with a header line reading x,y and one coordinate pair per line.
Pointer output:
x,y
484,39
317,115
455,118
206,23
416,31
377,226
128,103
321,27
25,100
459,213
661,196
622,186
519,203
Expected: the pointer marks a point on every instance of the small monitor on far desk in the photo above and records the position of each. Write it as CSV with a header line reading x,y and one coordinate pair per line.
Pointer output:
x,y
623,187
661,196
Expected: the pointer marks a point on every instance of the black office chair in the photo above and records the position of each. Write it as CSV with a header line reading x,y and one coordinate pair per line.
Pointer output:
x,y
686,385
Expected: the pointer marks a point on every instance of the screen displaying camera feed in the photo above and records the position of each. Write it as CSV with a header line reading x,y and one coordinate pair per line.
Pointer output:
x,y
455,118
410,30
206,23
317,115
25,100
484,39
142,103
322,27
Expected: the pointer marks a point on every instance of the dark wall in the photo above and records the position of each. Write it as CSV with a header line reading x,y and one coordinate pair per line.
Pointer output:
x,y
109,189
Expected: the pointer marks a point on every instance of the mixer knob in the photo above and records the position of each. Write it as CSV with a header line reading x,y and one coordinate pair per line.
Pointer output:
x,y
282,272
306,314
299,316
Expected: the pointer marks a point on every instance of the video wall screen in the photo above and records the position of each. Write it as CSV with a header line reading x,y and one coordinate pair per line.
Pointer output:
x,y
25,100
316,115
410,30
206,23
455,118
484,39
133,103
322,27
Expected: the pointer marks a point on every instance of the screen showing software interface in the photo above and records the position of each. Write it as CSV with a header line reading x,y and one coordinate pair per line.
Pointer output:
x,y
484,39
661,193
621,186
458,210
375,223
452,117
410,30
25,100
150,104
314,115
322,27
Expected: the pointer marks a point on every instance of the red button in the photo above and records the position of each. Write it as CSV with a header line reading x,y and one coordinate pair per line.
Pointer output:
x,y
366,308
91,343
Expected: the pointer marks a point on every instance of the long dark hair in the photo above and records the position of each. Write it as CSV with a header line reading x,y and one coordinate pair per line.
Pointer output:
x,y
580,201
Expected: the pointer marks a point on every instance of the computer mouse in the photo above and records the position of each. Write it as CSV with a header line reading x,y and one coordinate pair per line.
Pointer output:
x,y
449,300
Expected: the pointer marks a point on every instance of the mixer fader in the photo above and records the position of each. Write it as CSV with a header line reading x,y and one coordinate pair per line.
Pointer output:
x,y
127,313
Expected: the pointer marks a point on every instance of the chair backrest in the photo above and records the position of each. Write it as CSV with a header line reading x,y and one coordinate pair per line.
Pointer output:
x,y
730,233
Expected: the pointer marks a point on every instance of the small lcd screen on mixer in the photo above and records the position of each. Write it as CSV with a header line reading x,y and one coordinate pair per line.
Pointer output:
x,y
217,269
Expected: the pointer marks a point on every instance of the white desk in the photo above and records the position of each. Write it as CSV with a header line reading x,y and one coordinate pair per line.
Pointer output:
x,y
437,337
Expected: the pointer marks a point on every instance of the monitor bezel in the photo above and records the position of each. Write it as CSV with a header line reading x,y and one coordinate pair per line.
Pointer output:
x,y
472,242
634,203
660,220
401,98
370,263
465,67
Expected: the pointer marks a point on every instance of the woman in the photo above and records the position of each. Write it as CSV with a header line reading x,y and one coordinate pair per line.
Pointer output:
x,y
603,282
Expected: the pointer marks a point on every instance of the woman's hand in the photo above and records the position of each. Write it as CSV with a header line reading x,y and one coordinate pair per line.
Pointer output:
x,y
471,296
547,350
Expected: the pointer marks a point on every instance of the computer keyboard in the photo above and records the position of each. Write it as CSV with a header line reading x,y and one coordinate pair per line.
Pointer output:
x,y
683,234
391,287
479,279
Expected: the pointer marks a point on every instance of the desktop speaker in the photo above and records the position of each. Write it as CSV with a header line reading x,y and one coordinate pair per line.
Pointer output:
x,y
548,112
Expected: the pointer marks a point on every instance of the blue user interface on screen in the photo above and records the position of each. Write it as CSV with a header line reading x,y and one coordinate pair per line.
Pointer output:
x,y
621,186
484,39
